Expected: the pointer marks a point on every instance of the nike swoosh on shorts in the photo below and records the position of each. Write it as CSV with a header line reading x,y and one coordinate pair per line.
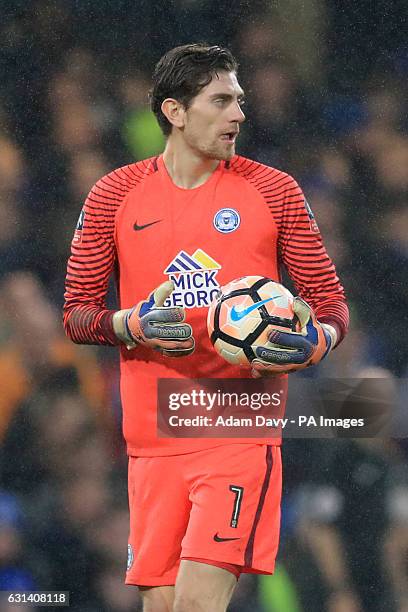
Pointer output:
x,y
217,538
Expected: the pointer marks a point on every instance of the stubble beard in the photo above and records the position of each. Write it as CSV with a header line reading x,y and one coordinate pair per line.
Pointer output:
x,y
217,151
213,150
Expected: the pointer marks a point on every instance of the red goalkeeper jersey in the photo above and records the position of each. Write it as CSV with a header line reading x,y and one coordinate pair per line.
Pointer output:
x,y
246,219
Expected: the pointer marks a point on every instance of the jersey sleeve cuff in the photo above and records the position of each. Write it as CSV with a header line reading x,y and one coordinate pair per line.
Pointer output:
x,y
106,327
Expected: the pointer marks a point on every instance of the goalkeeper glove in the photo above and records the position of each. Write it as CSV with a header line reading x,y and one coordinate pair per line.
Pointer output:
x,y
292,351
151,324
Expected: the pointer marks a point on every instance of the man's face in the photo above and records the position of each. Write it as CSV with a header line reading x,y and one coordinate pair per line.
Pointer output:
x,y
212,120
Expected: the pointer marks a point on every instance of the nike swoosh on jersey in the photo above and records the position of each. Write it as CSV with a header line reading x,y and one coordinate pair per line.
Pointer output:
x,y
237,315
140,227
217,538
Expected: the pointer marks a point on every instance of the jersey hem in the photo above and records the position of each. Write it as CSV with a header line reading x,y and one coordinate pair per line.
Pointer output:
x,y
134,451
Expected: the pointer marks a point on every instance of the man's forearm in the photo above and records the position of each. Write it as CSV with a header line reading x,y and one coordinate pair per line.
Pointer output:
x,y
88,324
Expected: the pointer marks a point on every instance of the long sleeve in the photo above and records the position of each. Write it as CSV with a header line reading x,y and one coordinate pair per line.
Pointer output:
x,y
302,252
93,259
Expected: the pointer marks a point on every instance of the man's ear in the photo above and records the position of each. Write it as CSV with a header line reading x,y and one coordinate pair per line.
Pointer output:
x,y
174,112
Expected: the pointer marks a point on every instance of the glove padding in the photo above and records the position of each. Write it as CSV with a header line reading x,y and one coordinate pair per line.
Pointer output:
x,y
161,328
292,351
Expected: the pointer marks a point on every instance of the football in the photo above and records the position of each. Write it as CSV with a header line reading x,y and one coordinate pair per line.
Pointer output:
x,y
241,313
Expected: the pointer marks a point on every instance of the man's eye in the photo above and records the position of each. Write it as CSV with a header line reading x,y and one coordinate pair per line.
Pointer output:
x,y
242,101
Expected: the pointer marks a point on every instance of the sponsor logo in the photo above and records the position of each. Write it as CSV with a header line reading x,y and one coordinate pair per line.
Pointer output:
x,y
217,538
226,220
130,557
195,279
137,227
312,220
237,315
77,239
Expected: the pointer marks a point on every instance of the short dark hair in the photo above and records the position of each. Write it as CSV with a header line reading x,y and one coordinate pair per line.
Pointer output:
x,y
183,72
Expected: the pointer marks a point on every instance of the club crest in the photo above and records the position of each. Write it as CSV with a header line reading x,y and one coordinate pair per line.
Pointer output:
x,y
226,220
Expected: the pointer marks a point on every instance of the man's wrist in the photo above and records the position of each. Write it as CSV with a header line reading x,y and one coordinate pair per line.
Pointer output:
x,y
119,322
332,333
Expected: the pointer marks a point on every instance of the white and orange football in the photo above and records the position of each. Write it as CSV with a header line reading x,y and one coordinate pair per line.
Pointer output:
x,y
239,317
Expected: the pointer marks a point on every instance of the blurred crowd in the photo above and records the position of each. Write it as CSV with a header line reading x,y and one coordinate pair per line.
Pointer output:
x,y
326,84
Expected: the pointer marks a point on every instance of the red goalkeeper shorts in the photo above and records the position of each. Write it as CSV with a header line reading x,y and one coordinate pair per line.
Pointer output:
x,y
221,504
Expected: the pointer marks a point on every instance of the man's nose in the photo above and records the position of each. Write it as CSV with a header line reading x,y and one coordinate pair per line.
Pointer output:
x,y
237,114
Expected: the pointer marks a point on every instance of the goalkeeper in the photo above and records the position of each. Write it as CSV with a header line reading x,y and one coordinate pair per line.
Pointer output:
x,y
186,222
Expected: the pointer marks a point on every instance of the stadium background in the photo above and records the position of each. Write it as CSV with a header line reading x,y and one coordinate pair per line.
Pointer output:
x,y
326,82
